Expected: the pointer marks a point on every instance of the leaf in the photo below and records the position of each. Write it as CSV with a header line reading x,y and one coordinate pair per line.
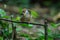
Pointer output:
x,y
53,25
6,17
30,25
20,10
49,30
34,14
24,35
27,38
18,29
18,18
41,31
2,13
24,25
1,38
10,29
58,24
27,25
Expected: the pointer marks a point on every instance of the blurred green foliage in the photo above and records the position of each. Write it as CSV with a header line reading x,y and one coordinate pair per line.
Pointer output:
x,y
2,13
34,15
41,37
1,38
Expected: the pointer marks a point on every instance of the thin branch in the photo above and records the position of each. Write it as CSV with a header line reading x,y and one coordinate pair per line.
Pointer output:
x,y
22,22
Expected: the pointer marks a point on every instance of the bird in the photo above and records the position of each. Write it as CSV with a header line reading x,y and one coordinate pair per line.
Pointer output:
x,y
26,15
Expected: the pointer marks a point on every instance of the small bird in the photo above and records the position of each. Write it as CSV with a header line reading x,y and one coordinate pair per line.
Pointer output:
x,y
26,15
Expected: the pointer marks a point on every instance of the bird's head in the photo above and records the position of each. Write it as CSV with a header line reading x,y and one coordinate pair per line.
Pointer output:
x,y
26,12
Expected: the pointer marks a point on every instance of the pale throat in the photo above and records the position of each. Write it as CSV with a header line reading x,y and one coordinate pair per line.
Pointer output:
x,y
27,14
